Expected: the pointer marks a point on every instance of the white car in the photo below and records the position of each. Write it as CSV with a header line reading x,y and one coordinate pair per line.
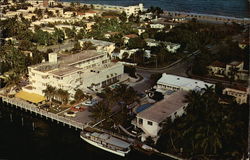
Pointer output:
x,y
70,114
90,102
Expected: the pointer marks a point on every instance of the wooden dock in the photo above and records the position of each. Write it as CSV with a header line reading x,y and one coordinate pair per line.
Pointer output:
x,y
14,102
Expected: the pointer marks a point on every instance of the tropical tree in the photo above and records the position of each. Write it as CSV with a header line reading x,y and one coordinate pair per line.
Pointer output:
x,y
100,111
79,95
49,92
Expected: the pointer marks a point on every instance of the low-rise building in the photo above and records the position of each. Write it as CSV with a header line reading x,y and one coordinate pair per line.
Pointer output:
x,y
128,37
240,94
176,83
101,46
157,26
172,47
150,119
234,70
85,70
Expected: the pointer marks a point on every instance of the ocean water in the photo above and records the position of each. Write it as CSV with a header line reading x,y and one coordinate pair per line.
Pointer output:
x,y
235,8
48,140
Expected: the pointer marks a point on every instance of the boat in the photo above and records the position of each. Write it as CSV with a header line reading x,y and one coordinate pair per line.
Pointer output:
x,y
106,142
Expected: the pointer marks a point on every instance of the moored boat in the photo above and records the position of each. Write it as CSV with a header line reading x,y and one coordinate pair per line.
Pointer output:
x,y
106,142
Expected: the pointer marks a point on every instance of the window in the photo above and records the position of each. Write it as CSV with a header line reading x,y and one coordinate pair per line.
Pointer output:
x,y
150,123
140,121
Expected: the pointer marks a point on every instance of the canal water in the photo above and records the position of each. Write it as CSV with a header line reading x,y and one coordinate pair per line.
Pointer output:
x,y
47,140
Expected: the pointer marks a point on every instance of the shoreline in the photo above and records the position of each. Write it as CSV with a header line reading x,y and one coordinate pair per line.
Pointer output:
x,y
177,14
164,10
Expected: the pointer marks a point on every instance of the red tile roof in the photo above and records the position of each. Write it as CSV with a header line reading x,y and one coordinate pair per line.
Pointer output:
x,y
218,64
90,12
131,36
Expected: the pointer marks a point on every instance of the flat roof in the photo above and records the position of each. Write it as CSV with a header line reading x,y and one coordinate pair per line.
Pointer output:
x,y
31,97
65,61
96,42
65,70
183,82
74,58
164,108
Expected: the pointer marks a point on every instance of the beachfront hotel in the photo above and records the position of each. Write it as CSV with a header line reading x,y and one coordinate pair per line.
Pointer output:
x,y
88,70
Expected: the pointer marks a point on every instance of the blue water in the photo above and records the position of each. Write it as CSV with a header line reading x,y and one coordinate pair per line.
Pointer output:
x,y
143,107
234,8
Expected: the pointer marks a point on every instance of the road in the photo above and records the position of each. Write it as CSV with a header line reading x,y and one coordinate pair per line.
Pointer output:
x,y
179,69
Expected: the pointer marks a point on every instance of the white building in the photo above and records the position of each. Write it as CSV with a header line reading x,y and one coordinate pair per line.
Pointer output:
x,y
172,47
176,83
85,70
157,26
240,94
133,9
101,46
150,119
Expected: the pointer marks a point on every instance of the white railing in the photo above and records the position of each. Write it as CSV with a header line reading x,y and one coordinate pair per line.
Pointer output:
x,y
33,108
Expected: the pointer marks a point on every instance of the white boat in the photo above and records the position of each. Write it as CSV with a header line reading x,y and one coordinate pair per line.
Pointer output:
x,y
106,142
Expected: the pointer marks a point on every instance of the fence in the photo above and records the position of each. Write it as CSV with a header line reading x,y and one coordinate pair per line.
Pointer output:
x,y
33,108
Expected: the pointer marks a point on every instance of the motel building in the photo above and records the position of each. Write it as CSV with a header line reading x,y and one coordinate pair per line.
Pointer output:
x,y
174,89
150,119
87,70
176,83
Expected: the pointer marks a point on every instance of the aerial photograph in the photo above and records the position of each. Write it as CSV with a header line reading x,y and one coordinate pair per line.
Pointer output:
x,y
124,79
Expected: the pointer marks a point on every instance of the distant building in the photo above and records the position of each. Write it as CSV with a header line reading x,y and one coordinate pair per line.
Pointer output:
x,y
234,70
177,83
150,119
85,70
157,26
128,37
133,10
101,46
240,94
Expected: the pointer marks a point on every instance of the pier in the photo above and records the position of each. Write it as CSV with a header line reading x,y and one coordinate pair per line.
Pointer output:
x,y
14,102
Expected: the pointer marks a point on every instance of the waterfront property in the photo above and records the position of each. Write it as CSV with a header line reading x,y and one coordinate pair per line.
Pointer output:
x,y
150,119
176,83
87,70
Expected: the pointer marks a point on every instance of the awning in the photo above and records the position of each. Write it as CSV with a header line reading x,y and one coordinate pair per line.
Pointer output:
x,y
31,97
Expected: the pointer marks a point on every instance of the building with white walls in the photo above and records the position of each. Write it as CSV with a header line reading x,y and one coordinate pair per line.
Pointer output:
x,y
177,83
101,46
150,119
133,10
85,70
239,93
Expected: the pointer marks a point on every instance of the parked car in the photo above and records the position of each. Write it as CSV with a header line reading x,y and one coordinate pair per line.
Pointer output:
x,y
90,102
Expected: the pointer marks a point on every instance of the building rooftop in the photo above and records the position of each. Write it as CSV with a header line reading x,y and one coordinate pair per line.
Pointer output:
x,y
235,63
218,64
183,82
164,108
131,36
65,63
97,42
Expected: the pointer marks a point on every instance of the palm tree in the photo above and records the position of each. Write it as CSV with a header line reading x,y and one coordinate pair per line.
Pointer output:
x,y
62,95
49,92
100,111
170,130
11,80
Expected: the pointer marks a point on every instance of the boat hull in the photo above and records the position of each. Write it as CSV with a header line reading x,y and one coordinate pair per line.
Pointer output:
x,y
119,153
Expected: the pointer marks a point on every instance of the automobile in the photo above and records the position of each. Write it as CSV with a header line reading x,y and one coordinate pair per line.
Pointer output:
x,y
70,114
90,102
